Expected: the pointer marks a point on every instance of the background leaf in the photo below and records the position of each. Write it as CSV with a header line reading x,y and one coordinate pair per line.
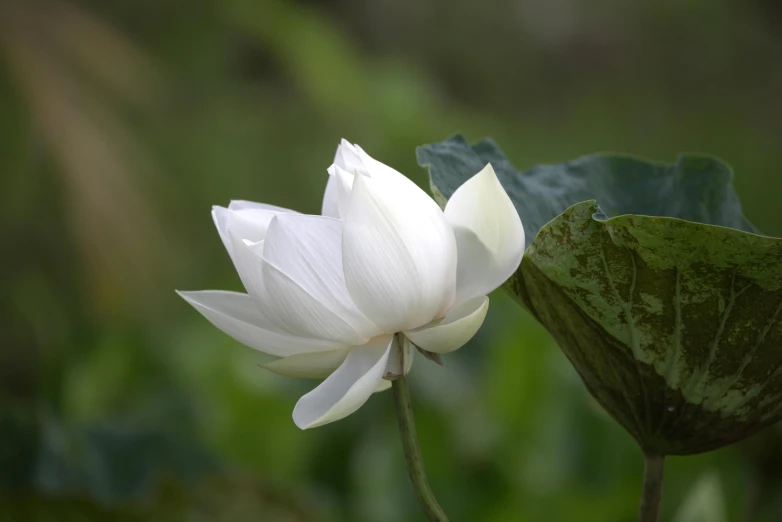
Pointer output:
x,y
695,188
704,502
674,326
673,323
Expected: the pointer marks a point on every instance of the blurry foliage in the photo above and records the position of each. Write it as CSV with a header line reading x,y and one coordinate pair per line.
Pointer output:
x,y
704,503
122,122
230,499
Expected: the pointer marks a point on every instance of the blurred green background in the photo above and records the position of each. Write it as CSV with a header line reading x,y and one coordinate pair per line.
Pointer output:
x,y
122,122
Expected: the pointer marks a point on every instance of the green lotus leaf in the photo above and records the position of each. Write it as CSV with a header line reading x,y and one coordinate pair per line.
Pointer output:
x,y
671,315
695,188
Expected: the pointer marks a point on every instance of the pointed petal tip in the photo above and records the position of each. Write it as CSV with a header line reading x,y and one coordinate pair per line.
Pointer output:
x,y
220,218
487,179
274,222
487,170
187,295
434,357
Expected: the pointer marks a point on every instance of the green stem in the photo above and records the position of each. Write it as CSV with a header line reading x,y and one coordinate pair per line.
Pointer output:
x,y
652,491
415,463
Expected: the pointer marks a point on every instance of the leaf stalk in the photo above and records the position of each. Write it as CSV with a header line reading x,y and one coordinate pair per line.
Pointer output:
x,y
652,489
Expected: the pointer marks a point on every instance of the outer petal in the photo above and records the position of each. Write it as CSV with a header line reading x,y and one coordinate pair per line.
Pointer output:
x,y
239,204
347,164
249,265
315,365
488,232
289,307
398,254
237,315
308,250
454,330
221,216
330,203
348,388
296,311
250,224
342,182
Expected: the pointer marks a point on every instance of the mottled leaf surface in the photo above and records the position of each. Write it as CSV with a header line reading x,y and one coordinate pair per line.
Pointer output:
x,y
673,325
662,297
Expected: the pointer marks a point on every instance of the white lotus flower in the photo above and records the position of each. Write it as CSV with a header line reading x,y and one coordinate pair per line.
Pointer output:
x,y
345,296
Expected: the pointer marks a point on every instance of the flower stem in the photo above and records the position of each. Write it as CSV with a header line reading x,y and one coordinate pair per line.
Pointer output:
x,y
415,463
652,490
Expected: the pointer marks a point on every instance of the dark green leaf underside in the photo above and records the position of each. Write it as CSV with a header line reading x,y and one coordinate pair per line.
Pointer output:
x,y
695,188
